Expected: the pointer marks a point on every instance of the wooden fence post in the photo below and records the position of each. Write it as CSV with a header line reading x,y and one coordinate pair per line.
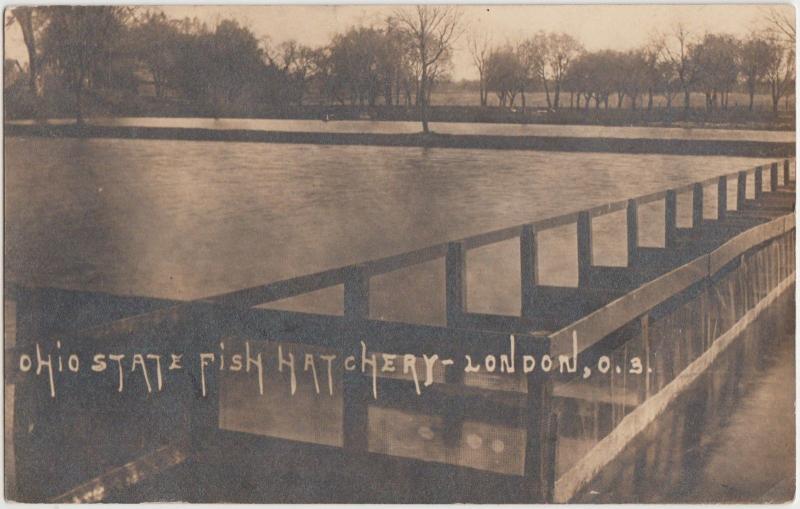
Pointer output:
x,y
584,226
204,335
538,465
456,283
759,182
670,219
454,413
356,391
19,417
741,190
633,232
785,172
455,268
552,456
356,294
697,205
355,386
28,403
645,388
722,198
773,177
529,276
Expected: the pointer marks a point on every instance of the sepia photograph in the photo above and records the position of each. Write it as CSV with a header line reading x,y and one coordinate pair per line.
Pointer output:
x,y
399,254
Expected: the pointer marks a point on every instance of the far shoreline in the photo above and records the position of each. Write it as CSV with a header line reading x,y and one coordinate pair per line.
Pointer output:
x,y
678,125
667,146
735,118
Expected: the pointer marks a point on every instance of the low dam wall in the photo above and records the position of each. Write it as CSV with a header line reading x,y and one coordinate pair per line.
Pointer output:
x,y
126,398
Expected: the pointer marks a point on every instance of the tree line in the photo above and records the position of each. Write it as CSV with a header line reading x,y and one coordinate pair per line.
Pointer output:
x,y
82,50
674,65
94,52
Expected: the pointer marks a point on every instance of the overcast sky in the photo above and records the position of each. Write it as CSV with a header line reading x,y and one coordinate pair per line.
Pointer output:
x,y
597,26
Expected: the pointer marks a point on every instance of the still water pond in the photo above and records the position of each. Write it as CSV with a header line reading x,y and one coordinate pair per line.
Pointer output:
x,y
183,220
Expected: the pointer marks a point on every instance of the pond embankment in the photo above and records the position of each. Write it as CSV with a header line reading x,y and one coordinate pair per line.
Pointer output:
x,y
749,148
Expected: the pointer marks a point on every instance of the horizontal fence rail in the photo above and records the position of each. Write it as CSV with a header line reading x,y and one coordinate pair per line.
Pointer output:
x,y
614,315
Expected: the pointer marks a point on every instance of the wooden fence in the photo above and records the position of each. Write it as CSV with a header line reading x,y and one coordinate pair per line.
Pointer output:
x,y
94,442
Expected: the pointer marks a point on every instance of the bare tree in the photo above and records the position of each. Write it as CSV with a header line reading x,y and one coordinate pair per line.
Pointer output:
x,y
504,75
296,61
678,51
562,49
668,84
527,74
635,65
580,79
779,71
782,24
652,52
716,58
480,48
434,29
31,21
755,52
534,55
548,56
780,66
155,40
